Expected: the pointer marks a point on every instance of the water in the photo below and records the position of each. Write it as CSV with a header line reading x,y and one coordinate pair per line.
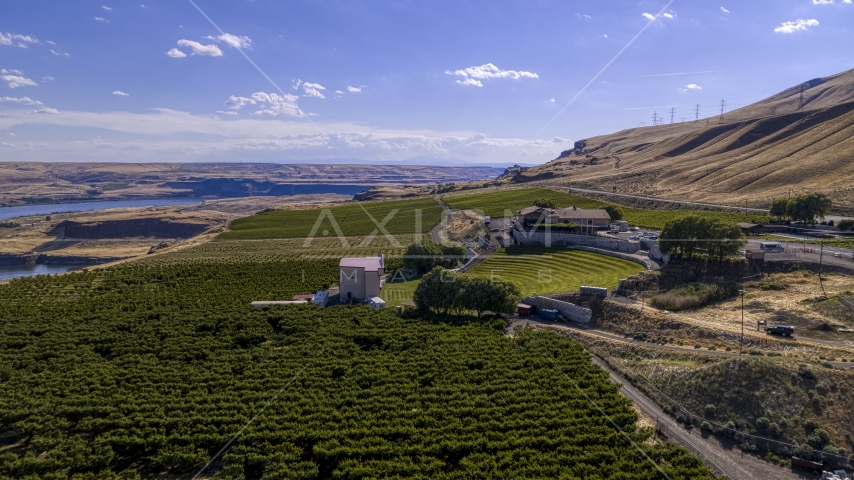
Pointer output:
x,y
46,209
7,273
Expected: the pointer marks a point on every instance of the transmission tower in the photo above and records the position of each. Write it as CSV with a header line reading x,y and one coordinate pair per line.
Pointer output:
x,y
642,124
697,113
655,119
723,105
683,119
801,101
672,111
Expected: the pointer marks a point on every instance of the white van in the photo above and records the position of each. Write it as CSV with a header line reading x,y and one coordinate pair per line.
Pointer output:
x,y
771,246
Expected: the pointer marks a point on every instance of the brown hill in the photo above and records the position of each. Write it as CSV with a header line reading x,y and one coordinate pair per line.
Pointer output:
x,y
767,149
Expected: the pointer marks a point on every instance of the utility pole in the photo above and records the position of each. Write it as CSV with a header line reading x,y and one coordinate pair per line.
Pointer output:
x,y
672,111
723,104
697,113
741,350
642,124
655,119
820,257
801,101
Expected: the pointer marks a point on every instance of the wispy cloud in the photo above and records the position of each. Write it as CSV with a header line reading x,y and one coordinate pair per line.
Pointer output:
x,y
175,53
275,104
48,78
313,89
45,111
21,100
668,15
800,24
648,16
473,75
354,89
106,8
724,10
101,19
121,93
59,54
199,49
822,2
677,73
21,41
233,41
691,86
16,81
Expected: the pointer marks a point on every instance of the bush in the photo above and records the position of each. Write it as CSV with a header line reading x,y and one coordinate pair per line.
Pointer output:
x,y
9,225
693,296
762,424
710,411
845,225
706,426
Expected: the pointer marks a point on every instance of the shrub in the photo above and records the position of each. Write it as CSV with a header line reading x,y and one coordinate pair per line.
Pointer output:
x,y
693,296
706,426
762,423
846,224
9,225
710,411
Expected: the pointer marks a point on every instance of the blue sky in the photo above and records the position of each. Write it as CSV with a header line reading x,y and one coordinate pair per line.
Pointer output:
x,y
468,82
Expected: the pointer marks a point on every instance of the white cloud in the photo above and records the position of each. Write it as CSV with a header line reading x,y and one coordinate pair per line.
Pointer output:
x,y
724,10
552,100
226,112
58,53
199,49
668,15
175,53
313,89
800,24
278,104
606,35
106,8
648,16
4,144
822,2
354,89
691,86
101,19
9,39
45,111
49,42
121,93
22,100
473,75
10,134
233,40
11,71
339,91
16,81
238,102
48,78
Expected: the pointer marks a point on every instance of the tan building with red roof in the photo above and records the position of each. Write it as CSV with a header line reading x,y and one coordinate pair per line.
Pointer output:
x,y
360,278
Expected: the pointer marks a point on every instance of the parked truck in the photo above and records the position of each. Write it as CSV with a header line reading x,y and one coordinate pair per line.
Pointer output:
x,y
783,330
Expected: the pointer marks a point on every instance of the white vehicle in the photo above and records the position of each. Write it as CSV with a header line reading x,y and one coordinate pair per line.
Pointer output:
x,y
486,220
771,246
634,229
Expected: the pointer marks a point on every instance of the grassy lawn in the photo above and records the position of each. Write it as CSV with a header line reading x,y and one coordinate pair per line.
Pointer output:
x,y
398,217
496,204
550,270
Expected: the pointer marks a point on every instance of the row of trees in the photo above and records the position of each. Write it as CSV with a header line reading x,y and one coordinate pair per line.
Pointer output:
x,y
697,235
804,208
427,255
444,291
614,211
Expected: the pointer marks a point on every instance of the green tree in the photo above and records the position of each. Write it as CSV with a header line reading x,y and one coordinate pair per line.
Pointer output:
x,y
422,257
779,208
845,225
726,239
614,211
809,208
693,234
452,253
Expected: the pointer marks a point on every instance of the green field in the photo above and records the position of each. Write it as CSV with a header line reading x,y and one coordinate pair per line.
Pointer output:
x,y
550,270
146,371
496,204
398,217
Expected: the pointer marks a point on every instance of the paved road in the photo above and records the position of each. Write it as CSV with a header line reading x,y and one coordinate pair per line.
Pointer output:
x,y
793,252
720,458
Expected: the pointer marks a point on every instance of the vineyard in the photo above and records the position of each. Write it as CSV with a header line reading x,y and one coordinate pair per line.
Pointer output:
x,y
397,217
142,370
550,270
496,204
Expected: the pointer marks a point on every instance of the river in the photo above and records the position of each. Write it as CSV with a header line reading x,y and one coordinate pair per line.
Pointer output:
x,y
7,273
49,208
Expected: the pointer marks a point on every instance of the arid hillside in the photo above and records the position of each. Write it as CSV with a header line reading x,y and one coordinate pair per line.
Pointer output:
x,y
774,147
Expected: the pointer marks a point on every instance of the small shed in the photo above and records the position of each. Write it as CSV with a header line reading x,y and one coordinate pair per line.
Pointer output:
x,y
376,303
525,310
306,297
547,314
